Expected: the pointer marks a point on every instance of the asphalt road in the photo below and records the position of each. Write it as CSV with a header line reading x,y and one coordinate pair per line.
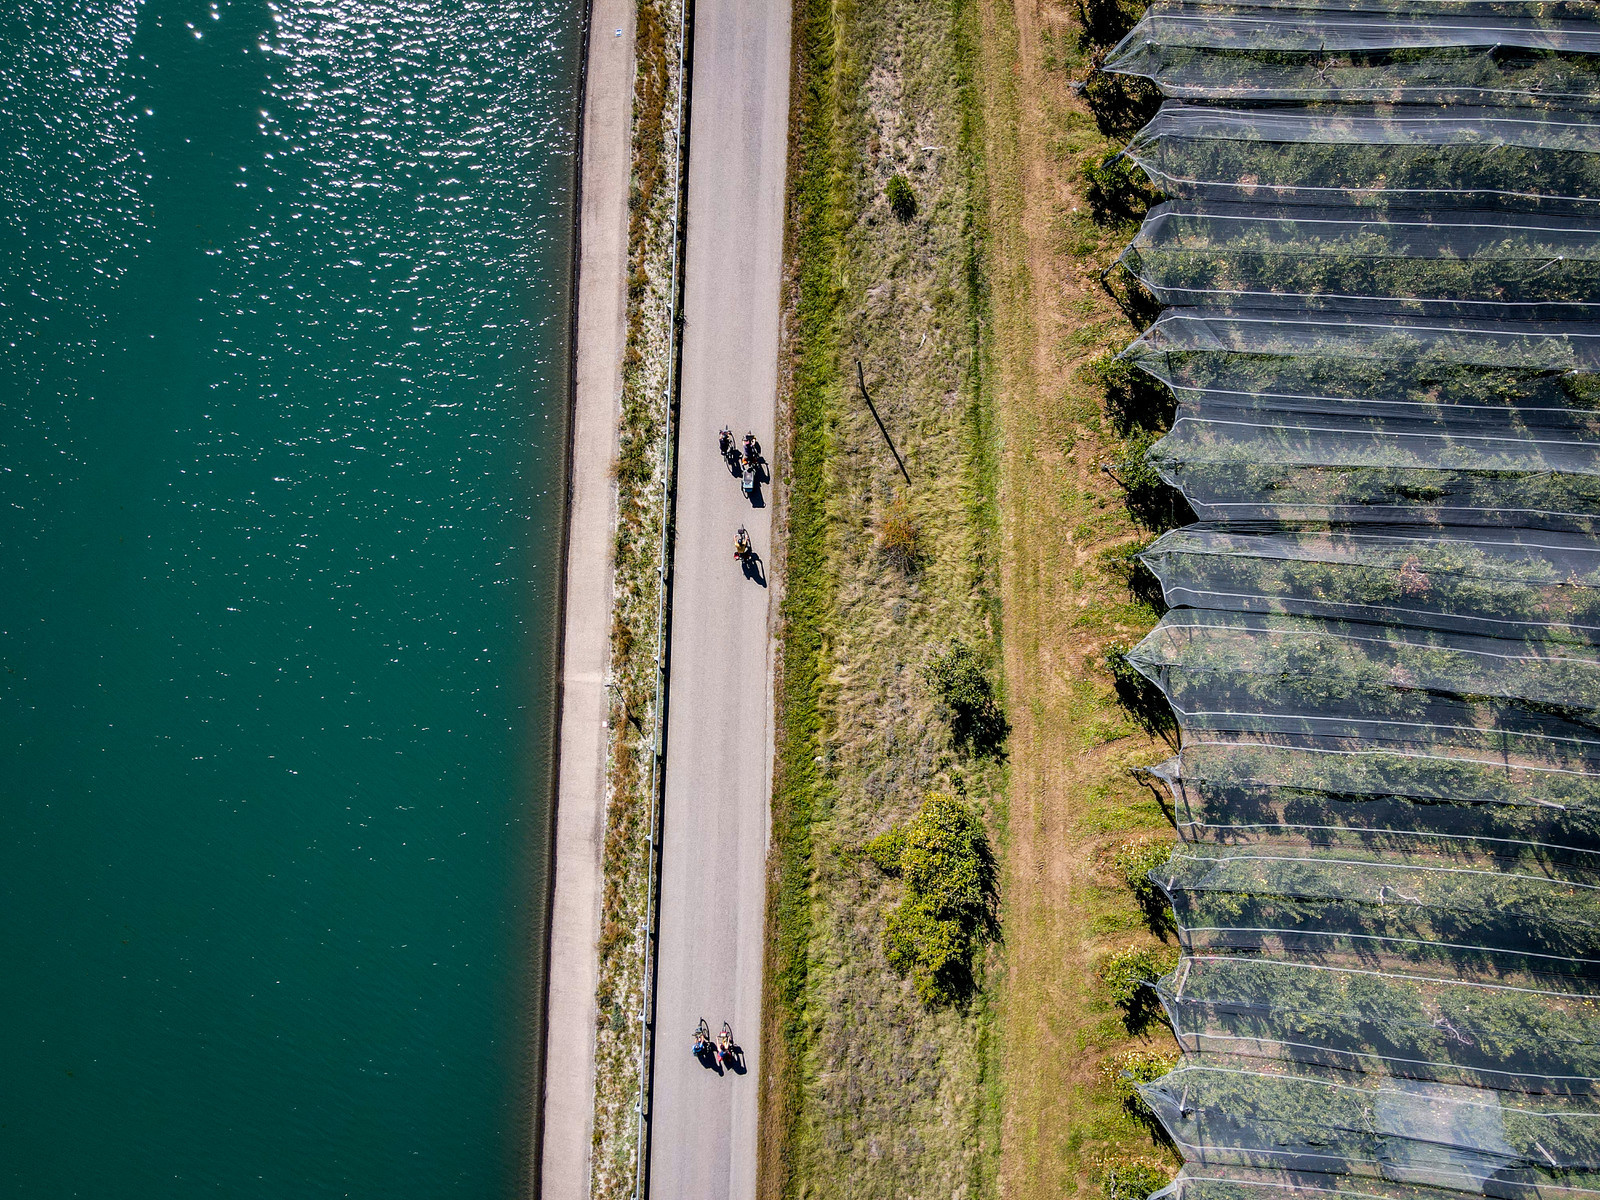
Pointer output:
x,y
719,724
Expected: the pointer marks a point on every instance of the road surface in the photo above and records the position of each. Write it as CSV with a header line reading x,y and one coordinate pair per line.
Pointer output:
x,y
719,720
586,642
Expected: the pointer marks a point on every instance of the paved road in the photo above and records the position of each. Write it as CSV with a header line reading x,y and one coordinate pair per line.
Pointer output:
x,y
580,806
719,732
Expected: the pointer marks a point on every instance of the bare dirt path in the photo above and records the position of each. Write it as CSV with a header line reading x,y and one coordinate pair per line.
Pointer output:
x,y
719,731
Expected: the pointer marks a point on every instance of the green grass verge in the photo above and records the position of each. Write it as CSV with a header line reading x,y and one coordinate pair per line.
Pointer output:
x,y
864,99
811,250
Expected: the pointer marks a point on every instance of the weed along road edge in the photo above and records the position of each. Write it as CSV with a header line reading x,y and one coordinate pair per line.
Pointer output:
x,y
719,720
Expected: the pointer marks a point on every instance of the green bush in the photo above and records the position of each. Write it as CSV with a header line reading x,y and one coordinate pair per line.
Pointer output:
x,y
1134,400
1132,1180
1122,1071
885,850
946,859
1120,669
933,950
902,200
1151,502
1121,562
1134,861
1117,190
1144,701
959,681
1127,972
949,871
1119,103
1133,468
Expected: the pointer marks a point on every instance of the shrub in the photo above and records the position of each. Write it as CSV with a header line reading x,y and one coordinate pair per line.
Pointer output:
x,y
1144,700
1133,468
1122,671
1127,973
1151,502
1134,861
885,850
898,536
1132,1180
958,679
1133,400
946,859
1122,559
635,467
1119,103
944,856
1105,21
933,950
1117,190
1123,1071
1122,562
902,200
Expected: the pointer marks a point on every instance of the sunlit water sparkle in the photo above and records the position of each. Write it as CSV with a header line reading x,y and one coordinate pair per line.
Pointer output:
x,y
283,311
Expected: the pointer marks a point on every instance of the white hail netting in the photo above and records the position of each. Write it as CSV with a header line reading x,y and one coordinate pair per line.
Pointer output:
x,y
1460,909
1513,54
1309,416
1428,158
1519,1034
1384,355
1383,648
1301,1118
1528,802
1260,673
1353,260
1253,467
1509,584
1307,28
1197,1182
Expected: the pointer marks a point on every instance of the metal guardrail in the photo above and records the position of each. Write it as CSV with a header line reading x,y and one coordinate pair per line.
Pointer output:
x,y
663,613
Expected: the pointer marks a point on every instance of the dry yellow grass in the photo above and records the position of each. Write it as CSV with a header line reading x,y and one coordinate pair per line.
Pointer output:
x,y
880,1096
974,321
636,597
1071,799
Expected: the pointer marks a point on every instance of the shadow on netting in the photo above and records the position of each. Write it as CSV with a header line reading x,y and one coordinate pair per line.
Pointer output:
x,y
1106,22
1142,699
1121,105
1152,502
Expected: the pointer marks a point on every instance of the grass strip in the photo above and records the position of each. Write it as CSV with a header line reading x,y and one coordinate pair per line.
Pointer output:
x,y
881,577
811,251
636,594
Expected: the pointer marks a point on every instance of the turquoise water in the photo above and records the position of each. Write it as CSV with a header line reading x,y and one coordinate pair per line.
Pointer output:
x,y
283,306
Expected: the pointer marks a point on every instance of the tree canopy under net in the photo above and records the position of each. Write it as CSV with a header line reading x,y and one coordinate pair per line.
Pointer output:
x,y
1378,252
1506,54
